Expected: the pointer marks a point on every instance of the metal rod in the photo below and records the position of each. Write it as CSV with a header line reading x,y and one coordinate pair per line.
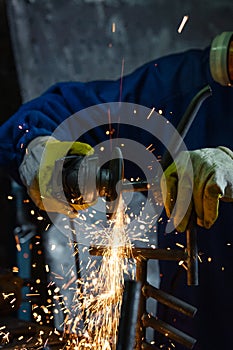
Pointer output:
x,y
129,316
169,300
185,124
169,331
141,276
192,251
159,254
146,253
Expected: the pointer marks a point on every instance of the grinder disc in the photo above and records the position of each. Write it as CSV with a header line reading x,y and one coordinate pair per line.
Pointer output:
x,y
116,174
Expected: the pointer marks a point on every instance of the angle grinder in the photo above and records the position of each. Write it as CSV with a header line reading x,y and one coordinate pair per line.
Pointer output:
x,y
94,181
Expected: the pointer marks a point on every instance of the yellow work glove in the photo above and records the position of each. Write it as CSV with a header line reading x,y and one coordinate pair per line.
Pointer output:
x,y
205,176
38,169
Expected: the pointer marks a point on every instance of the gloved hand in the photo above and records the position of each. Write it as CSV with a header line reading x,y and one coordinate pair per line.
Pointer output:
x,y
205,176
37,172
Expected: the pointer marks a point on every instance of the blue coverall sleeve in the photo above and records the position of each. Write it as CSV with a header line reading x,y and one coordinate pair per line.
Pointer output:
x,y
156,84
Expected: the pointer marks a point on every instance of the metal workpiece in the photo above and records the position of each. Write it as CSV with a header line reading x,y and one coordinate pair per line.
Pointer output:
x,y
129,316
188,255
192,252
159,254
169,331
141,276
141,256
146,253
145,320
184,124
169,300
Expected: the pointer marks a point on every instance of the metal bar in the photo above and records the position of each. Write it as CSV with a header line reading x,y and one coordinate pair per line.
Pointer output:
x,y
185,124
169,300
159,254
141,276
169,331
129,316
192,252
147,253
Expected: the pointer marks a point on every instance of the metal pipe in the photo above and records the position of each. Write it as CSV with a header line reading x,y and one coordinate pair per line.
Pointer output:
x,y
141,276
185,124
169,300
129,316
147,253
169,331
192,251
159,254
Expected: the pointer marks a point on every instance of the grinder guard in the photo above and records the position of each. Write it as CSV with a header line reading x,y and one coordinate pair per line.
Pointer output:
x,y
84,181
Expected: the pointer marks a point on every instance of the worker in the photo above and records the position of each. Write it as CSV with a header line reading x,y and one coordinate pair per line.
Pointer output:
x,y
166,84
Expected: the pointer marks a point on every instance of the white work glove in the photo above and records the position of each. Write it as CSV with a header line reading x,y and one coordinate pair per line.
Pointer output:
x,y
204,176
37,172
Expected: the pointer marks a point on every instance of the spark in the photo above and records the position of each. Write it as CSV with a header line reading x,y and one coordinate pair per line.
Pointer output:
x,y
18,246
151,145
100,296
6,296
182,24
5,337
121,80
151,112
180,245
113,27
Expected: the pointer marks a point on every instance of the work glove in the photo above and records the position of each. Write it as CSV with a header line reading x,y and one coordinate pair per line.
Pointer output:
x,y
196,180
38,173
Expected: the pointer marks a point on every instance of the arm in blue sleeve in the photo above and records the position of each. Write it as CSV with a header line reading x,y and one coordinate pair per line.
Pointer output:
x,y
156,84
